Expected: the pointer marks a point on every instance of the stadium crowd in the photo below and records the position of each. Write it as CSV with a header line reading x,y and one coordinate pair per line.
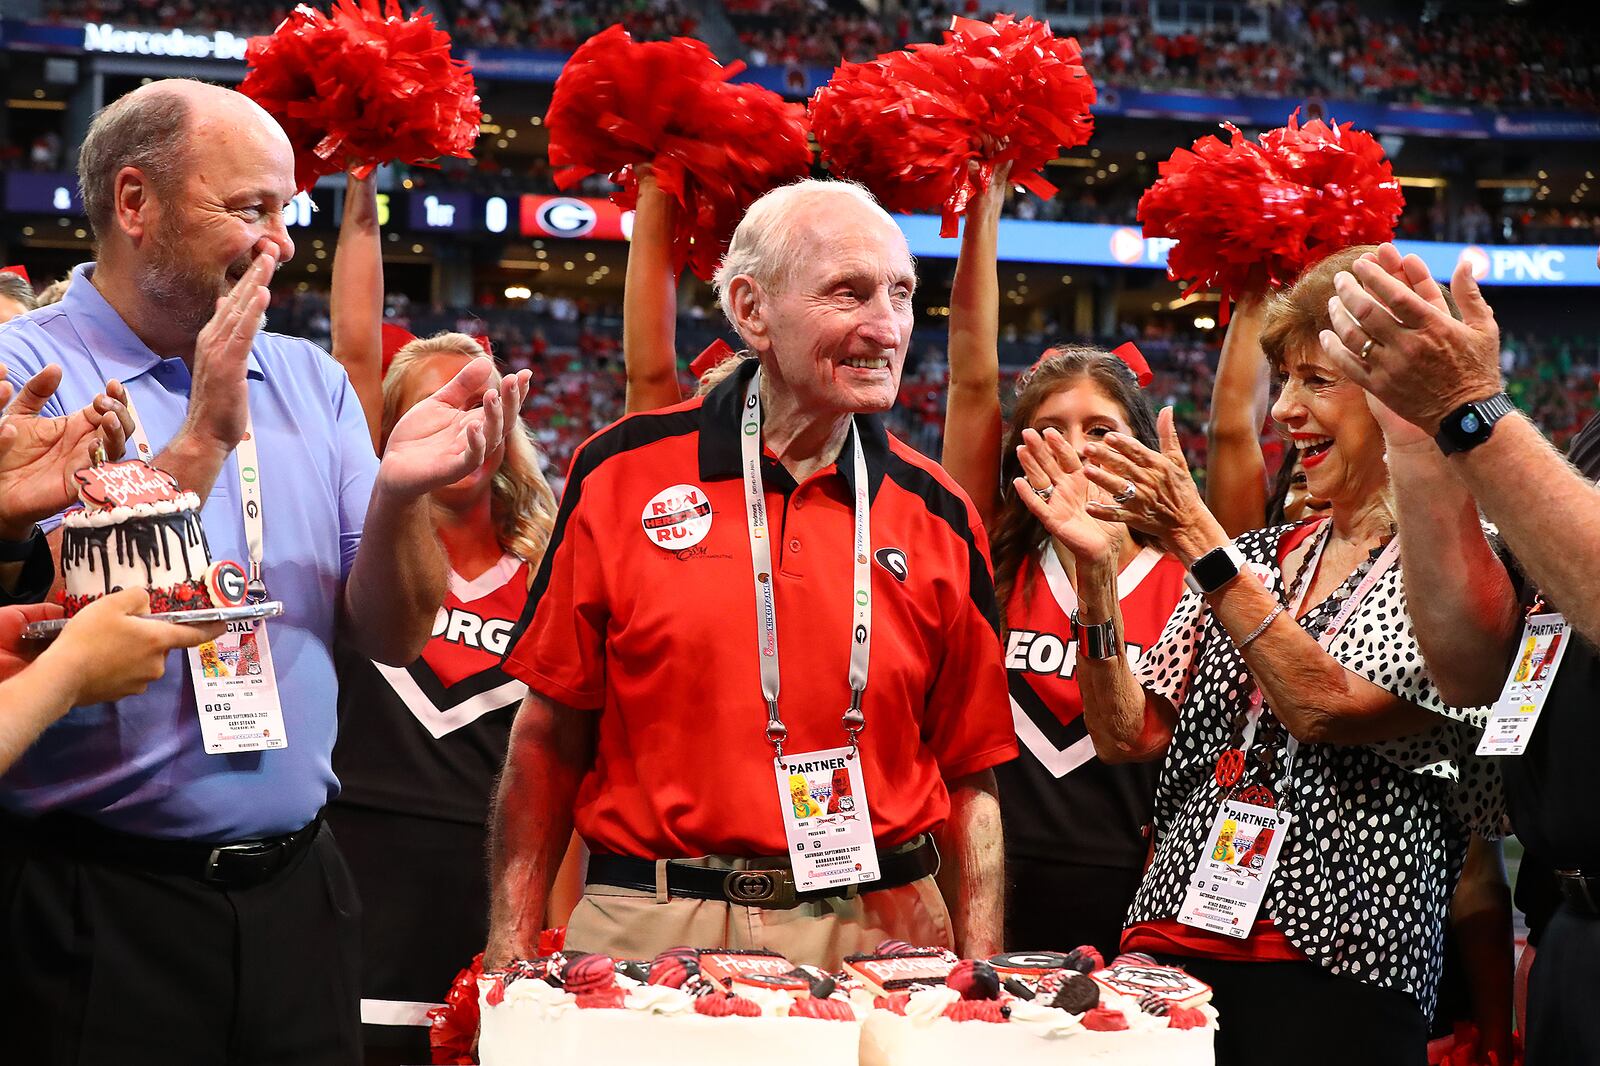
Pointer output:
x,y
1316,46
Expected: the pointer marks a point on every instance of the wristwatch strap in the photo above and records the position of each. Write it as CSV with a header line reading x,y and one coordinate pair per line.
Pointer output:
x,y
1214,569
1455,437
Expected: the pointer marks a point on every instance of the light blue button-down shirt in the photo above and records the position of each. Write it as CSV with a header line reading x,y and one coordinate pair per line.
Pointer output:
x,y
138,765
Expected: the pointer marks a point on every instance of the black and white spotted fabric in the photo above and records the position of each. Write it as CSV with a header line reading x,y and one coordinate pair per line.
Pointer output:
x,y
1364,880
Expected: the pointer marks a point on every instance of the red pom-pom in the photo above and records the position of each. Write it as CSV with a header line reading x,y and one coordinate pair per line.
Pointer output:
x,y
1104,1019
1251,215
908,124
363,86
453,1027
713,146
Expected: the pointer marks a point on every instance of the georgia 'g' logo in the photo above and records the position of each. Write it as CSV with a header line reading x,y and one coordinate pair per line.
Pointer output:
x,y
566,217
894,561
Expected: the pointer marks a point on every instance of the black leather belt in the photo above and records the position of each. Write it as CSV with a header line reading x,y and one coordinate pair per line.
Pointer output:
x,y
235,865
767,883
1581,891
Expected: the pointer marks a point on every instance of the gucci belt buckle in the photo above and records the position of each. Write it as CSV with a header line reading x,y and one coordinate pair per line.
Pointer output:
x,y
760,888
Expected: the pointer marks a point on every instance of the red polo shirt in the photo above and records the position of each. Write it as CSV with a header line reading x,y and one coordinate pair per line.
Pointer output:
x,y
644,610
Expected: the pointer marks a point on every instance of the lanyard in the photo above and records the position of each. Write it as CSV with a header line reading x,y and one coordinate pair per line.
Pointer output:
x,y
755,506
249,493
1308,570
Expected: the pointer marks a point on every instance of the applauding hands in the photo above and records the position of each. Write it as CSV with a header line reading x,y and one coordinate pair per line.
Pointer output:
x,y
39,454
447,436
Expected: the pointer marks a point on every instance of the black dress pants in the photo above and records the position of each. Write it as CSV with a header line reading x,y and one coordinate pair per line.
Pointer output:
x,y
1564,993
106,963
1058,906
1282,1013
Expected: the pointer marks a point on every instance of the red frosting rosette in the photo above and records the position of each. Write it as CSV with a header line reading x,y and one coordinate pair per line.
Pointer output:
x,y
1250,215
362,86
714,145
908,124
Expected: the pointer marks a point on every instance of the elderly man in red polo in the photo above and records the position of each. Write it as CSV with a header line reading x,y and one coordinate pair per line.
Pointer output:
x,y
753,596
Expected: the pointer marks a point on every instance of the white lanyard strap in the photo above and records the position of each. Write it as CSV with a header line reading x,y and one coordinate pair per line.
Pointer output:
x,y
755,503
249,493
1308,572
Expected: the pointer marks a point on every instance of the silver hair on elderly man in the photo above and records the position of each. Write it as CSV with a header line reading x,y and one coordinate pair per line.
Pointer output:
x,y
818,281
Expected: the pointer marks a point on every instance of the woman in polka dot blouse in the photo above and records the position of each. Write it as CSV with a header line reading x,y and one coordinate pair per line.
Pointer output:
x,y
1296,684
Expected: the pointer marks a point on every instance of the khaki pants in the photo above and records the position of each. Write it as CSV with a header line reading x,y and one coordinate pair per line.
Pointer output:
x,y
628,923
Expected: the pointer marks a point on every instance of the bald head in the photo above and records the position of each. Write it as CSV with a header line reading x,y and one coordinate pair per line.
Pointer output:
x,y
157,130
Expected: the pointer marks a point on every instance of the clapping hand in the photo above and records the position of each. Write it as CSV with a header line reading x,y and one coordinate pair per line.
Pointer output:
x,y
1153,491
1057,490
446,436
40,454
1394,336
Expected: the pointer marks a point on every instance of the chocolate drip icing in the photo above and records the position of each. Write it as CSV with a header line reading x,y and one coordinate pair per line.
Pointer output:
x,y
143,540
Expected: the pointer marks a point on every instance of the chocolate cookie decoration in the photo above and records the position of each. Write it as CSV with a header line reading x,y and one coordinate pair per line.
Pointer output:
x,y
894,947
1085,959
1077,995
823,985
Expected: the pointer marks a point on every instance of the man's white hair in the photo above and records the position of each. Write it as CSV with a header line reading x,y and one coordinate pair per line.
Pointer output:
x,y
768,241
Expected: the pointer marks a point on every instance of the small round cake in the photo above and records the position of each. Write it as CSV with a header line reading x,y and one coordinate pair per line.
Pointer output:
x,y
137,529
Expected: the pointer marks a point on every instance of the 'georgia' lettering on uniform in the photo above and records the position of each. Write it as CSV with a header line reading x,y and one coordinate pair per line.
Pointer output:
x,y
1034,652
463,627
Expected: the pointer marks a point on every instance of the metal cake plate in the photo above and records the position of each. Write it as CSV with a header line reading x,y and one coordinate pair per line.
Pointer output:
x,y
271,609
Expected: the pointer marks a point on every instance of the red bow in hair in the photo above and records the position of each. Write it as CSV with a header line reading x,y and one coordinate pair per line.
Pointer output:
x,y
715,352
19,270
394,338
1127,351
483,342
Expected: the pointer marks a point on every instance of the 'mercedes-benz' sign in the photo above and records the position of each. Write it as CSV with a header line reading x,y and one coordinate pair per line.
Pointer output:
x,y
178,44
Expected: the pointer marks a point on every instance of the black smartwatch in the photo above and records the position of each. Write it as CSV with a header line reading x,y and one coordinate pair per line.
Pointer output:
x,y
19,551
1214,569
1470,424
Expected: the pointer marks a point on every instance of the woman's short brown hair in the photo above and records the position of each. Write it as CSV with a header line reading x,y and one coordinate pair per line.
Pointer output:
x,y
1297,315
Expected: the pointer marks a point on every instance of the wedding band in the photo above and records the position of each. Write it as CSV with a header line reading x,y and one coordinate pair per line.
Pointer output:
x,y
1366,349
1126,494
1045,493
